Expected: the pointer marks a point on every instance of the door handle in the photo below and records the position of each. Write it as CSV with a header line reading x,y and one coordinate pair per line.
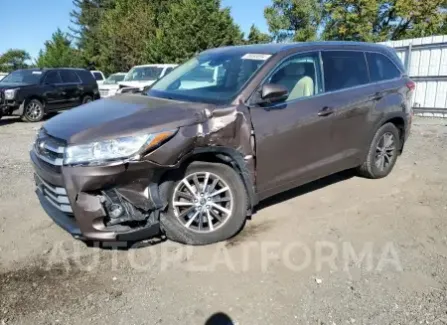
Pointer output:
x,y
326,111
377,96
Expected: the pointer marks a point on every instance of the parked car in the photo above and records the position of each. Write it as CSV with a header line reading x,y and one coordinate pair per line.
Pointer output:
x,y
110,86
99,76
31,93
194,163
145,75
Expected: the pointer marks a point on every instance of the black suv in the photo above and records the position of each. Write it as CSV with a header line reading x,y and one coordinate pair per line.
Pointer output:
x,y
31,93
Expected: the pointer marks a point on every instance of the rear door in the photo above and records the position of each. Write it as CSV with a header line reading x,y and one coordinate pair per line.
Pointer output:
x,y
72,88
352,101
53,90
293,138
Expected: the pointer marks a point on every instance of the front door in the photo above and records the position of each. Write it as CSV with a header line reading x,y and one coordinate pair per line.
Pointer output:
x,y
293,138
52,90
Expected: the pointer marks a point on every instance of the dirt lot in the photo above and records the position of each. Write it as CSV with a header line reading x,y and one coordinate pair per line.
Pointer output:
x,y
343,250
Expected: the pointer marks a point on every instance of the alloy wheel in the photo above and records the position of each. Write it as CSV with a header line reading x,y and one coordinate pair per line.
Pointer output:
x,y
33,111
202,202
385,151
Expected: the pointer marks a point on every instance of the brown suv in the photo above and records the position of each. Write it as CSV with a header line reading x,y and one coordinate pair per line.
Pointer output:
x,y
193,156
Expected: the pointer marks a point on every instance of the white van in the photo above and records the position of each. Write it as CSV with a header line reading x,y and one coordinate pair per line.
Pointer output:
x,y
142,76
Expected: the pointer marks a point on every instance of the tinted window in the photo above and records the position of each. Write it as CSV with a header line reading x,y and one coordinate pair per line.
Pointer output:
x,y
69,76
343,69
300,75
85,76
53,77
381,68
98,76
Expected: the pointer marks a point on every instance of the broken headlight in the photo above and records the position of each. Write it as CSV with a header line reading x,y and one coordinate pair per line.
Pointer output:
x,y
109,151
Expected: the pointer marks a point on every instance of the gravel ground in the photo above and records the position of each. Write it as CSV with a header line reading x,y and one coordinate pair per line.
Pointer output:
x,y
343,250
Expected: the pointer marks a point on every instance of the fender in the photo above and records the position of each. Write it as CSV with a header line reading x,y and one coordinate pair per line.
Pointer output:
x,y
239,163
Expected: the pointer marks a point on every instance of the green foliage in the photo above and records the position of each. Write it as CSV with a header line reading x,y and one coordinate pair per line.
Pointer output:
x,y
255,36
294,20
14,59
379,20
356,20
58,53
86,19
125,32
189,27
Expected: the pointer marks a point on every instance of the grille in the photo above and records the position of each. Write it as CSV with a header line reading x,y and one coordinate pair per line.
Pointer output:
x,y
2,97
103,92
56,196
49,149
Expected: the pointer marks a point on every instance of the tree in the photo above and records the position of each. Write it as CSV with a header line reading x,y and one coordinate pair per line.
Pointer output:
x,y
124,34
255,36
294,20
58,53
86,20
191,26
351,20
14,59
379,20
356,20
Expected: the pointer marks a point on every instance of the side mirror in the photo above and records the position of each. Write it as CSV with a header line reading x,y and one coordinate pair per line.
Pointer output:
x,y
272,93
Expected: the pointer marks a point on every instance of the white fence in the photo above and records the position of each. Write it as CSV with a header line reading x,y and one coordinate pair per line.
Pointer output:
x,y
426,62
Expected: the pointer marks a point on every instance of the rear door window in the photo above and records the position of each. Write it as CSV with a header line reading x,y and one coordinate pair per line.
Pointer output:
x,y
85,76
52,78
381,68
344,69
98,76
69,76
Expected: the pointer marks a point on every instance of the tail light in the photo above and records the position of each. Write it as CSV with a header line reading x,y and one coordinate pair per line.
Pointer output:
x,y
411,85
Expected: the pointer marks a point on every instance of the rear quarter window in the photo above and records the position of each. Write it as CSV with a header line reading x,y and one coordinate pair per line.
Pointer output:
x,y
86,77
381,68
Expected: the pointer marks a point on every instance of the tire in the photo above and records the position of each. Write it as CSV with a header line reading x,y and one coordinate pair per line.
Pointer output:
x,y
372,166
87,99
34,111
199,232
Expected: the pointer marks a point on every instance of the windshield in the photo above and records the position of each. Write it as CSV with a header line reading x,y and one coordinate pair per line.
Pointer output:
x,y
143,73
23,77
114,79
210,77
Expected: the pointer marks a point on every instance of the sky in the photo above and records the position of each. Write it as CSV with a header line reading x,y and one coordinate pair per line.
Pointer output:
x,y
27,24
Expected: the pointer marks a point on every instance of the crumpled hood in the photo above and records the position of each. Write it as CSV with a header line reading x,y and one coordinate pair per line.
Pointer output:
x,y
123,115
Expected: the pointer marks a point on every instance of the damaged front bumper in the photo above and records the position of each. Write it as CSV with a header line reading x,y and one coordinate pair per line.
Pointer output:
x,y
115,203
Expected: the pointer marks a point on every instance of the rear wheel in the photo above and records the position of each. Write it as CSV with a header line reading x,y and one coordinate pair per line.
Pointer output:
x,y
33,111
382,154
207,204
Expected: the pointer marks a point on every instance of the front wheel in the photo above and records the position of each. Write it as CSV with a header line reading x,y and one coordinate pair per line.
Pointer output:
x,y
34,111
87,99
382,154
207,204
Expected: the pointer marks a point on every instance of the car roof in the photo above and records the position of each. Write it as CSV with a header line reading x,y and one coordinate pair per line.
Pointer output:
x,y
274,48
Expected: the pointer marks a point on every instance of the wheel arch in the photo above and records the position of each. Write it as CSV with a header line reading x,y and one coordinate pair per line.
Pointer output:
x,y
227,156
41,99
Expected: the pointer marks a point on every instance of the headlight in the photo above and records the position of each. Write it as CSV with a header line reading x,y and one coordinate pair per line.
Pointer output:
x,y
97,153
10,94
